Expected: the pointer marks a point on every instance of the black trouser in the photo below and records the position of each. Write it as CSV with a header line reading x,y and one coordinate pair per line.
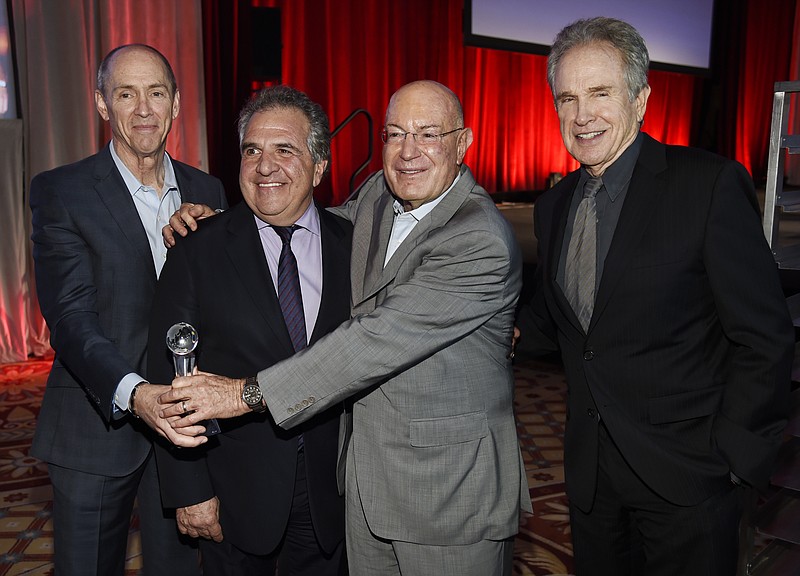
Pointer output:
x,y
631,531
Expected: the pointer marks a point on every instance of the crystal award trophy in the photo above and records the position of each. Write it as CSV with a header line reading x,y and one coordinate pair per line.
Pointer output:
x,y
182,340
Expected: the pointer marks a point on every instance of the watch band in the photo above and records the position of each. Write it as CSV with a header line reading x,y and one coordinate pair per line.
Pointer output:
x,y
251,383
132,399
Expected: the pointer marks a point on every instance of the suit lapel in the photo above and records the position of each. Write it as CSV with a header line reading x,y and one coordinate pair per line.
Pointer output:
x,y
247,257
185,188
560,216
377,276
383,216
117,199
334,305
367,210
645,187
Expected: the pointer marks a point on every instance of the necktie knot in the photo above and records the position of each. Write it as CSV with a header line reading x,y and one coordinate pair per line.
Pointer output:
x,y
592,187
285,232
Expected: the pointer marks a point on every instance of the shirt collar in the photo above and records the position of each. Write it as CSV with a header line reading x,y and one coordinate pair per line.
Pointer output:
x,y
617,176
132,182
419,213
309,220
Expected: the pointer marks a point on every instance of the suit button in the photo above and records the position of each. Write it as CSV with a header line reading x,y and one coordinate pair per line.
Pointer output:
x,y
591,413
290,410
588,355
298,406
312,399
305,403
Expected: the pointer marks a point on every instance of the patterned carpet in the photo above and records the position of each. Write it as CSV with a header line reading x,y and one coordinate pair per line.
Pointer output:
x,y
26,534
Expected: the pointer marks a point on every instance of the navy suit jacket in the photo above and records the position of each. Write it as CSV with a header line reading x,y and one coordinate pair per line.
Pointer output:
x,y
95,281
218,280
688,354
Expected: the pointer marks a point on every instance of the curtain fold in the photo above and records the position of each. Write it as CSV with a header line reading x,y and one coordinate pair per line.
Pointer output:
x,y
767,53
793,160
58,47
16,288
349,54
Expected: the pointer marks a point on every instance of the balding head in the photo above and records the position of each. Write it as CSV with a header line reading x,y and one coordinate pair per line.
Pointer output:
x,y
425,142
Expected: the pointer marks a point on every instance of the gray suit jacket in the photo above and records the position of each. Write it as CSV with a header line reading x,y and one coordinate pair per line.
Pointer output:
x,y
434,442
95,281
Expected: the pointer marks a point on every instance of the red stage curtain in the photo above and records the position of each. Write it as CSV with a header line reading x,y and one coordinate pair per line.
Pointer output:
x,y
767,55
349,54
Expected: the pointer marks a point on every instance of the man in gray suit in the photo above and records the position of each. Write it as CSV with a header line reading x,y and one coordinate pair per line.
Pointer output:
x,y
434,476
98,251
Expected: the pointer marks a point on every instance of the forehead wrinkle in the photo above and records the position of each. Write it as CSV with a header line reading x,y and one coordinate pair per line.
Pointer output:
x,y
285,145
129,86
591,90
416,125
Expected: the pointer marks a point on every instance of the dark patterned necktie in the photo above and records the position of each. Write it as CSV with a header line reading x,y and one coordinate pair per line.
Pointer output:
x,y
289,296
581,263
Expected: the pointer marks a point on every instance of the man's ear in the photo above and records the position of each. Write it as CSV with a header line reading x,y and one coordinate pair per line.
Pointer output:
x,y
100,104
176,104
319,170
464,142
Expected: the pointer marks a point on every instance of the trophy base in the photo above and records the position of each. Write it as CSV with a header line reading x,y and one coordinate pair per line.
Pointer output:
x,y
212,427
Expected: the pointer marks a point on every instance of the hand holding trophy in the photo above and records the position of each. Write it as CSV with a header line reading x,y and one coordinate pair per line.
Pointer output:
x,y
182,340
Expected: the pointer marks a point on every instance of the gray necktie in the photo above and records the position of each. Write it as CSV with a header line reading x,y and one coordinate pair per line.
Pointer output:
x,y
581,264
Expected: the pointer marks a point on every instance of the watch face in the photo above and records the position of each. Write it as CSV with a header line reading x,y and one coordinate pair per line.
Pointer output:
x,y
252,395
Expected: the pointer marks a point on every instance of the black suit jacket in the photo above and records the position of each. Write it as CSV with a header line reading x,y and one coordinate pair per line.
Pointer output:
x,y
688,354
95,281
218,280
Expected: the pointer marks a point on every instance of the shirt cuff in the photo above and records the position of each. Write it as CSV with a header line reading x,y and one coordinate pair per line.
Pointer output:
x,y
123,394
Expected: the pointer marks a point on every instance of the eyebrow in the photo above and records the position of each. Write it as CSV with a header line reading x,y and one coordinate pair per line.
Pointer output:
x,y
285,145
246,145
591,90
132,87
425,127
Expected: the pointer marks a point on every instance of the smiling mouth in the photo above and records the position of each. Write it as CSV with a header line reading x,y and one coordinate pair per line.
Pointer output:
x,y
589,135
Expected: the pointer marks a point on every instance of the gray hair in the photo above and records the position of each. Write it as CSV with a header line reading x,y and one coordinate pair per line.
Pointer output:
x,y
620,35
104,71
282,96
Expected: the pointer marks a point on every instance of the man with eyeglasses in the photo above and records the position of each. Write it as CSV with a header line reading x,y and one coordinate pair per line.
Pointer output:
x,y
434,475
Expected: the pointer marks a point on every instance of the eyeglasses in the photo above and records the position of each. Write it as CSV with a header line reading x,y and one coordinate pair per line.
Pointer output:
x,y
426,138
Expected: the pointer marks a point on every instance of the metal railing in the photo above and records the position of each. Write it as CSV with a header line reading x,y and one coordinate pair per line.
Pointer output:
x,y
370,137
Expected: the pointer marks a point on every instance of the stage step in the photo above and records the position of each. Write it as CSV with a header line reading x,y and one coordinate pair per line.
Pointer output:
x,y
777,559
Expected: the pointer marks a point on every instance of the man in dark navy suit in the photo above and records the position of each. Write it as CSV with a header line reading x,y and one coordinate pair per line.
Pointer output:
x,y
98,252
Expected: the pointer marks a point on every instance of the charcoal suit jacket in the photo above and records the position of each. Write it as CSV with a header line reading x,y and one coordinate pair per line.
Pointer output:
x,y
218,280
95,280
687,356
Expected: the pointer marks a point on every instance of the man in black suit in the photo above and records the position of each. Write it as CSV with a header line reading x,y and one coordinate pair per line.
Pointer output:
x,y
98,252
257,494
676,339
